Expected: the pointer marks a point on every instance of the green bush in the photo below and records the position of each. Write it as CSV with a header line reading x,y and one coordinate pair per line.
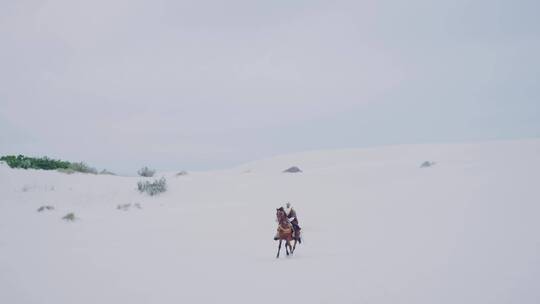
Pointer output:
x,y
70,217
25,162
45,163
153,188
146,172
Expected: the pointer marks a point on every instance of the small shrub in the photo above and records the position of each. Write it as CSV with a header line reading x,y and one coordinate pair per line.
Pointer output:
x,y
82,167
293,169
146,172
124,207
106,172
427,164
43,208
70,217
181,173
153,188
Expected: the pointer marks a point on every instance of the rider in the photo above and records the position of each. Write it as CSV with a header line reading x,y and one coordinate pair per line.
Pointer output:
x,y
291,215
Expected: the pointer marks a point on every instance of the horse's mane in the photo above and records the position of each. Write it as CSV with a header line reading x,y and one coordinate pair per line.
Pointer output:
x,y
282,217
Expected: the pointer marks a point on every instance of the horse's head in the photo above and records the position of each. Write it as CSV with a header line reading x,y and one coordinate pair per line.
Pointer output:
x,y
281,215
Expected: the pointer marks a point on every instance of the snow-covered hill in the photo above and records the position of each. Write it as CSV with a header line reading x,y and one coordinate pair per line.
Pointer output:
x,y
378,229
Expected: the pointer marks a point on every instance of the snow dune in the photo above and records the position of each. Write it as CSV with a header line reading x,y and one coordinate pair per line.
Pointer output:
x,y
378,229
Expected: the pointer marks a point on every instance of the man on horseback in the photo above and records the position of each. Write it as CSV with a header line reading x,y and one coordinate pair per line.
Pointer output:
x,y
291,215
285,232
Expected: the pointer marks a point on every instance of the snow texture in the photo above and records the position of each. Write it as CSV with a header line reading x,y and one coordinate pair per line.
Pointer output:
x,y
378,229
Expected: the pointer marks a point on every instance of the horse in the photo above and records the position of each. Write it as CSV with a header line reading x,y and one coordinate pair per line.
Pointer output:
x,y
285,232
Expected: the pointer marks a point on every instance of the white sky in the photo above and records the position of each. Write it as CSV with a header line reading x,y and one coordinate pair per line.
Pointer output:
x,y
210,84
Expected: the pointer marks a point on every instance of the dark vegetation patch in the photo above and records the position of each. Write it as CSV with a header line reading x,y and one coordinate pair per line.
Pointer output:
x,y
45,163
293,169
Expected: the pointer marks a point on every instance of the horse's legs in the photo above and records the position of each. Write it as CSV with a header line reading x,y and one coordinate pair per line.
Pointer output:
x,y
279,249
287,245
294,246
297,236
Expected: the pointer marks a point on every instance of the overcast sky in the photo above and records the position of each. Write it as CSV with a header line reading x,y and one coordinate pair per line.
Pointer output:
x,y
210,84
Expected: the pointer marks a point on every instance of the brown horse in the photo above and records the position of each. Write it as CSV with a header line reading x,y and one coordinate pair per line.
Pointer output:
x,y
285,232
